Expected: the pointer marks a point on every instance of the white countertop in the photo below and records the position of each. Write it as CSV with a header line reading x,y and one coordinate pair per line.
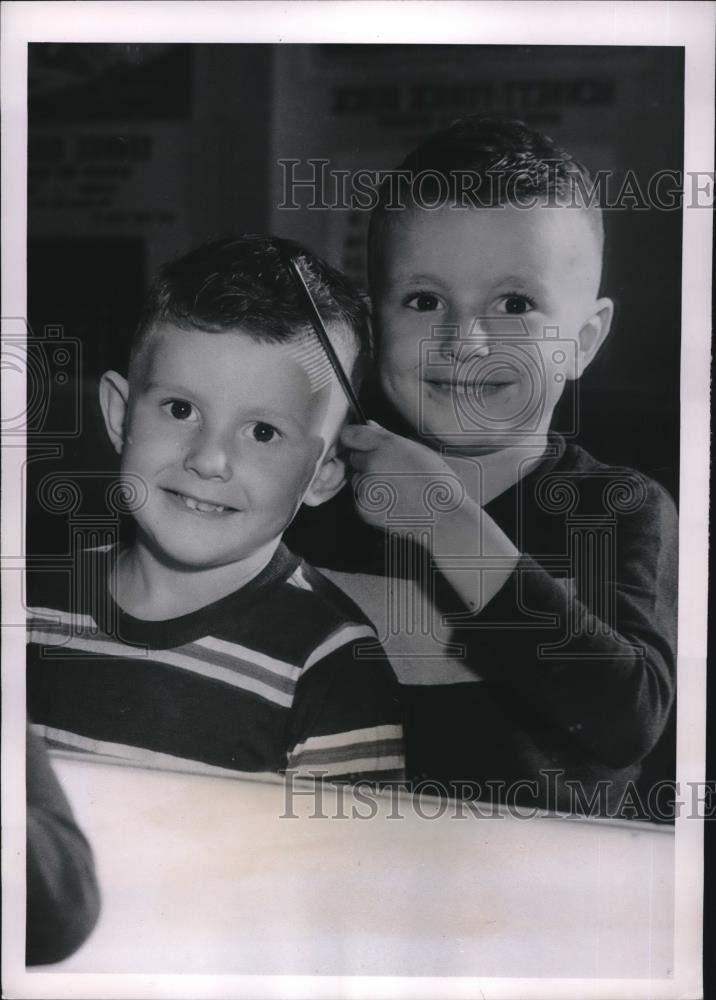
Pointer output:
x,y
206,875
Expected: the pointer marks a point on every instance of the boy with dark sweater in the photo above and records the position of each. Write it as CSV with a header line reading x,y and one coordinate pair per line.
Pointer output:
x,y
525,592
203,644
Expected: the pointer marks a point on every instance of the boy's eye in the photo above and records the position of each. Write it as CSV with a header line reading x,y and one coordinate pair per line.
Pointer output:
x,y
516,305
423,302
263,433
180,409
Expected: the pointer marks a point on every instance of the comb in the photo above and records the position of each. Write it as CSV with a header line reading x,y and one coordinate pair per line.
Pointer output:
x,y
322,334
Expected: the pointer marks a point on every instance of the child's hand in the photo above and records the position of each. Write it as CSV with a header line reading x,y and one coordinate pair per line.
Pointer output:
x,y
399,484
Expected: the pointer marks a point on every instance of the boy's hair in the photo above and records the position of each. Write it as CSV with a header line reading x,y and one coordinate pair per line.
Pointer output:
x,y
243,282
483,161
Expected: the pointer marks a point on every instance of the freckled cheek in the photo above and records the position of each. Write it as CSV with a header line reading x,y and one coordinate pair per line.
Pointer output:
x,y
400,357
274,483
398,331
145,453
164,438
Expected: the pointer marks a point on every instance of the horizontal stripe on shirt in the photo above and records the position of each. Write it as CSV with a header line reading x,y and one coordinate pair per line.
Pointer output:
x,y
349,768
353,737
124,753
344,635
218,690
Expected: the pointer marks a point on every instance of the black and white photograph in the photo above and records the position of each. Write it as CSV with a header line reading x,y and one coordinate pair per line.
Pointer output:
x,y
355,443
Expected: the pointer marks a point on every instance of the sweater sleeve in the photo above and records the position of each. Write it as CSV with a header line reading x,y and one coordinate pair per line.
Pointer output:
x,y
346,722
596,659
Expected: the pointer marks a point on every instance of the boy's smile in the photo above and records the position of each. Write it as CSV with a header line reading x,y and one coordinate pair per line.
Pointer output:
x,y
483,314
489,382
202,506
229,439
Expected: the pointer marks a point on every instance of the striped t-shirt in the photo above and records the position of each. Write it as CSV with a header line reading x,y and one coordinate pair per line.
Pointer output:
x,y
262,681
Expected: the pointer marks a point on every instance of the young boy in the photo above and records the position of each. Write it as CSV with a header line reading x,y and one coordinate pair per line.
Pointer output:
x,y
204,644
526,593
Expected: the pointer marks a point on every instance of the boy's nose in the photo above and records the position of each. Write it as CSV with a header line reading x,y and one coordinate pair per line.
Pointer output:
x,y
476,337
209,458
457,347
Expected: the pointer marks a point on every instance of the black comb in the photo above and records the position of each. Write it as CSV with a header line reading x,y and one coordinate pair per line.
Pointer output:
x,y
322,334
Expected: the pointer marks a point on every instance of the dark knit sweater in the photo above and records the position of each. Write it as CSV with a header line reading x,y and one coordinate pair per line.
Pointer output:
x,y
575,654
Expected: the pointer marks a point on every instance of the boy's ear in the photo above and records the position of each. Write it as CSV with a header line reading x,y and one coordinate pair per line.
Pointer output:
x,y
328,480
592,335
113,400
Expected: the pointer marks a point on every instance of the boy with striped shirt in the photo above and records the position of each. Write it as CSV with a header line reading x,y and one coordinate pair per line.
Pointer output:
x,y
204,644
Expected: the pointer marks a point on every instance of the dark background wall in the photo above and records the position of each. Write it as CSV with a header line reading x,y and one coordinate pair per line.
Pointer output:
x,y
138,152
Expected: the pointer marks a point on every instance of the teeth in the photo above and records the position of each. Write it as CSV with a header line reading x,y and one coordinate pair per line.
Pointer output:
x,y
470,387
201,505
